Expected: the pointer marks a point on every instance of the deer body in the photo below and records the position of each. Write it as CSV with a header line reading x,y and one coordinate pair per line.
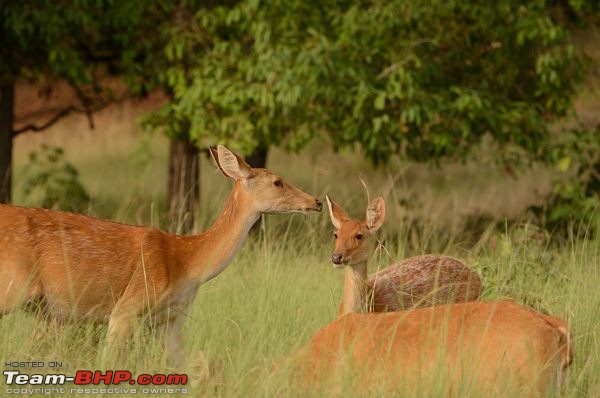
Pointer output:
x,y
483,342
415,282
72,267
82,266
423,281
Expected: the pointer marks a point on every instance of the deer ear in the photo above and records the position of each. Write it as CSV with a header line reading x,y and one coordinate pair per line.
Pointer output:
x,y
336,213
230,164
214,157
375,214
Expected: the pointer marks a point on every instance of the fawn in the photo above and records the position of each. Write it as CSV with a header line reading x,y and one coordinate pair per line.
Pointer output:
x,y
414,282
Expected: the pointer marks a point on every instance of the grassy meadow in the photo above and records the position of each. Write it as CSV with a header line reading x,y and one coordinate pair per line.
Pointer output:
x,y
281,287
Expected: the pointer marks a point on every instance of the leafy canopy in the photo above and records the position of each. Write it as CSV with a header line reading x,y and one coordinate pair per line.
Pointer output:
x,y
428,79
74,39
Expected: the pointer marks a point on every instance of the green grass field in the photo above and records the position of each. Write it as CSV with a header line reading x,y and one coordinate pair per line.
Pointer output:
x,y
281,288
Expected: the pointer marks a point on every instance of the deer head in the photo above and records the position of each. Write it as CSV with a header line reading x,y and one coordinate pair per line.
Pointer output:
x,y
262,190
354,239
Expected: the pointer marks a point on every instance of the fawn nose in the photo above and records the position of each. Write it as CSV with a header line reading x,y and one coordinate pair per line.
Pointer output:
x,y
319,204
336,258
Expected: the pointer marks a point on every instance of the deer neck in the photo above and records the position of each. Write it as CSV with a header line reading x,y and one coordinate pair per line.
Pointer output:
x,y
355,289
213,250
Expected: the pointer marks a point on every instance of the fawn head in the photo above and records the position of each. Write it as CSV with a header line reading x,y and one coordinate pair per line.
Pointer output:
x,y
354,239
263,191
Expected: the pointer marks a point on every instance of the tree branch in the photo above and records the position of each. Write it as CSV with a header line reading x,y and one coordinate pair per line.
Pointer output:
x,y
396,65
37,128
88,111
85,102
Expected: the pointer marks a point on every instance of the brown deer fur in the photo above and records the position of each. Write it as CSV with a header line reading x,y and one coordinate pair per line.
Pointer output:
x,y
77,267
486,342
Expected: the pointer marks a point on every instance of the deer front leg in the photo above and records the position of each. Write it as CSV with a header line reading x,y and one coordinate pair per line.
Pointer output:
x,y
171,333
168,328
120,328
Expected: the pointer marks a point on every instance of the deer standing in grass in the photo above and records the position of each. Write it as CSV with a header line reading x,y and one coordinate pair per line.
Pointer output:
x,y
494,347
415,282
75,267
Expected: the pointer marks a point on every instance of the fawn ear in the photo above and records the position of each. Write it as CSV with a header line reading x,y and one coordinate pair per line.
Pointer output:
x,y
336,213
230,164
375,214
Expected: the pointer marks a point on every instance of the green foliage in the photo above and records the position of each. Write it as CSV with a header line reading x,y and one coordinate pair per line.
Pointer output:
x,y
567,205
238,74
54,181
576,196
427,79
434,78
72,39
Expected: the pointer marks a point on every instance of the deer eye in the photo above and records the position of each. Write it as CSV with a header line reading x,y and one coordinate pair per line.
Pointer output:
x,y
278,183
359,236
335,236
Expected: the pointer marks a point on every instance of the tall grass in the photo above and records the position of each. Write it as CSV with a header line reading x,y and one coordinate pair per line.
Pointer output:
x,y
281,288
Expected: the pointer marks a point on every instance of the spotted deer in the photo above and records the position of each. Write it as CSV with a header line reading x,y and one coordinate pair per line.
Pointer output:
x,y
415,282
77,267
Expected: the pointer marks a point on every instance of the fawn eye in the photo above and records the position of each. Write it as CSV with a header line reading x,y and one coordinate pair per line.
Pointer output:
x,y
278,183
359,236
335,236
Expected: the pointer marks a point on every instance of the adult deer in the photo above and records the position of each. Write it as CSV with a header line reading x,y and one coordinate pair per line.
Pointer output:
x,y
495,347
415,282
76,267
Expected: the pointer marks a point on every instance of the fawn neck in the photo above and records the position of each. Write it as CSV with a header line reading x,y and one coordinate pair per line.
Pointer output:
x,y
213,250
355,289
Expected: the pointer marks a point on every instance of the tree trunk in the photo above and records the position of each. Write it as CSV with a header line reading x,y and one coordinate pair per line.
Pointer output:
x,y
258,157
184,185
7,100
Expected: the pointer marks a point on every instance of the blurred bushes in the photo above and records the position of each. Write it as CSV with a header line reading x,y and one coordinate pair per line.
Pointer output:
x,y
574,202
53,183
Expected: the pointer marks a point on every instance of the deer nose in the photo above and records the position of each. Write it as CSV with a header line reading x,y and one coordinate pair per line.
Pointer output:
x,y
319,204
336,258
